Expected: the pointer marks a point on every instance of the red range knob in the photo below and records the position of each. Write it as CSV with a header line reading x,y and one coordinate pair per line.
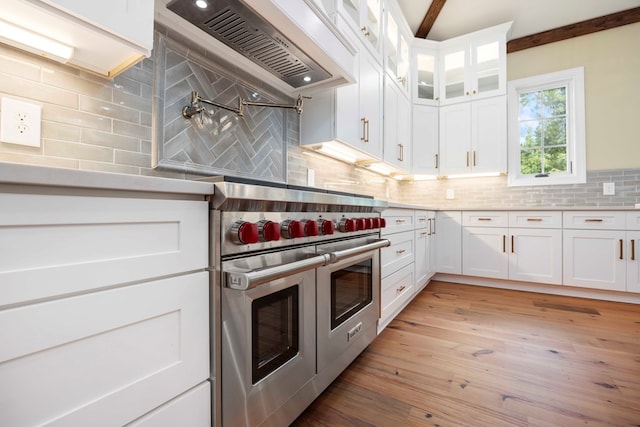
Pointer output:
x,y
268,230
290,229
310,227
326,226
347,225
360,224
244,232
383,223
375,222
368,223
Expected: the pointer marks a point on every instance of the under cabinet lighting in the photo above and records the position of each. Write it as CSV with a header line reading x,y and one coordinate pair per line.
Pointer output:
x,y
336,153
475,175
33,42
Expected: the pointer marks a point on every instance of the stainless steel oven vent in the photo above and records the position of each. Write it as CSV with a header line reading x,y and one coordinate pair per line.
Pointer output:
x,y
240,28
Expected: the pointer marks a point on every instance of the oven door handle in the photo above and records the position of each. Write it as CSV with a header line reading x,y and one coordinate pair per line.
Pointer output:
x,y
243,280
348,253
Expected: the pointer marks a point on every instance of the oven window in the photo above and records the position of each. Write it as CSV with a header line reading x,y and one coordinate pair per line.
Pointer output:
x,y
351,291
274,331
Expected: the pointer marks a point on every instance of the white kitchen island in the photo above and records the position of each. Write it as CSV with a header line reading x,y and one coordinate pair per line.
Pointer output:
x,y
104,299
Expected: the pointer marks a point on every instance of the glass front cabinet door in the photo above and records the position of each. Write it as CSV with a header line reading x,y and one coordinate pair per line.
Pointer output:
x,y
425,72
474,66
366,18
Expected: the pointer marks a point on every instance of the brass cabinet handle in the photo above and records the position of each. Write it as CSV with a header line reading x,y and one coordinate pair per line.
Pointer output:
x,y
534,219
513,246
593,220
365,31
467,159
424,233
437,98
633,250
621,249
504,243
484,219
367,137
436,161
364,121
400,221
474,157
400,289
401,152
433,221
400,251
467,93
474,92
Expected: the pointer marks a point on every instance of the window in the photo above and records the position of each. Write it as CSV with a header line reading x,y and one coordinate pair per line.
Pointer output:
x,y
547,129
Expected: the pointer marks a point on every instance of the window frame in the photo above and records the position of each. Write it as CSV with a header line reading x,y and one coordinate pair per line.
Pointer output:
x,y
573,79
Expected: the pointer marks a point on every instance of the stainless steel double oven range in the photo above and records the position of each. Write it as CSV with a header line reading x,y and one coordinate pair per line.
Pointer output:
x,y
296,291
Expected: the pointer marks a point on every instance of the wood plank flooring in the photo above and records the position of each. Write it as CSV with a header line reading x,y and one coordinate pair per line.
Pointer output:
x,y
462,355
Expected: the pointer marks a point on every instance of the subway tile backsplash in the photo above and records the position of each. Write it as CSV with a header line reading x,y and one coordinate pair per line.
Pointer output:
x,y
93,123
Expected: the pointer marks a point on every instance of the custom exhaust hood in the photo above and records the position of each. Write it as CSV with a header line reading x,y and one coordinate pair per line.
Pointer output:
x,y
291,45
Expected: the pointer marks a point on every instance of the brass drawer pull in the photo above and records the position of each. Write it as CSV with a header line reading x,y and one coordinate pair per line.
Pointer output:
x,y
400,289
504,243
400,251
513,246
400,221
534,219
424,233
484,219
593,220
633,250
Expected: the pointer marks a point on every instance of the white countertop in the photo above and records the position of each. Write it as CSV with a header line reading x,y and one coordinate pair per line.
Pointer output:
x,y
19,174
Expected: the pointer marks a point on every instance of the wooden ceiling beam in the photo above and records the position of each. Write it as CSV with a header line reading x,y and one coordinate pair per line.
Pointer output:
x,y
574,30
430,18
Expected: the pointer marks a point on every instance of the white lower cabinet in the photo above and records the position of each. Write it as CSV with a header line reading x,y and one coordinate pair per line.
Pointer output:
x,y
531,252
104,309
406,266
424,267
535,255
484,252
449,242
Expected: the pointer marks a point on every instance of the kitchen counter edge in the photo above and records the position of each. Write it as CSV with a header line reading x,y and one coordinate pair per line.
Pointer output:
x,y
21,174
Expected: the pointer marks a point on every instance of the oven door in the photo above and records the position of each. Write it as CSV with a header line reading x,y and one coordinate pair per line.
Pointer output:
x,y
268,333
348,302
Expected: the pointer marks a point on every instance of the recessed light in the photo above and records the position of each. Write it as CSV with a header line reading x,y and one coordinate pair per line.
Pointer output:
x,y
306,78
202,4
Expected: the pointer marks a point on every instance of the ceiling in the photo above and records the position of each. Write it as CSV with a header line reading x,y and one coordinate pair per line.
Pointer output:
x,y
459,17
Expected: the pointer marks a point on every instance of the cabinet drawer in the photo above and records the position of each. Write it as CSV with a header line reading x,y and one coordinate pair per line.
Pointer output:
x,y
485,219
535,219
57,245
605,220
398,254
396,290
633,221
397,220
110,356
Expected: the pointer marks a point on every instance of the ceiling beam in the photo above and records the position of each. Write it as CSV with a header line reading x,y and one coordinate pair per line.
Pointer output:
x,y
430,18
575,30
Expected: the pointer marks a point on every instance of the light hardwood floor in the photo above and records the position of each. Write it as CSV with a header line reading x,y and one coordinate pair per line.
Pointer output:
x,y
462,355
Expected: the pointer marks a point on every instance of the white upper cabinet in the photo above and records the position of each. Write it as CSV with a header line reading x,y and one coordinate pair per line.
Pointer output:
x,y
424,69
365,17
396,52
346,122
105,37
474,66
397,127
424,143
473,137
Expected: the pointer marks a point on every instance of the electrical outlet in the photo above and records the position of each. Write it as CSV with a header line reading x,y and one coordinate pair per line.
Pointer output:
x,y
20,122
609,188
450,194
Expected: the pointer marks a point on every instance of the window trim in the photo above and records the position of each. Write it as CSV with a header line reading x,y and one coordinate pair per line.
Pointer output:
x,y
573,79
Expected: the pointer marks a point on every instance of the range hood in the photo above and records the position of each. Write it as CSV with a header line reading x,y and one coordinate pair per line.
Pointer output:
x,y
291,45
